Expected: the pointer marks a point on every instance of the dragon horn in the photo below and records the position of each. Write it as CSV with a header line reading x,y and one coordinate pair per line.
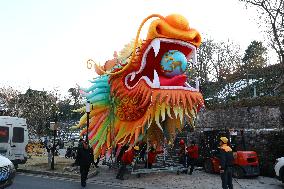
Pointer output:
x,y
135,45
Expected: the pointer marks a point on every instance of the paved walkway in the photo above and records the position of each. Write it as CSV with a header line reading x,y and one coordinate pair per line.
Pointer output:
x,y
199,179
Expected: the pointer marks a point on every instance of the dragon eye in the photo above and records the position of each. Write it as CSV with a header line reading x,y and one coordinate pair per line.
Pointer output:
x,y
173,63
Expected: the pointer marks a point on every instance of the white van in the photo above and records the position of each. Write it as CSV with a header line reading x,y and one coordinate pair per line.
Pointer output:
x,y
13,139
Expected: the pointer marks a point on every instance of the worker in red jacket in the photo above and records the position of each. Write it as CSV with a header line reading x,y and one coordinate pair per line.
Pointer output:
x,y
127,159
192,152
152,154
182,152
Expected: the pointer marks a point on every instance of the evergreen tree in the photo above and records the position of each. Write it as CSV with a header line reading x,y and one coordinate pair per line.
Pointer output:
x,y
255,56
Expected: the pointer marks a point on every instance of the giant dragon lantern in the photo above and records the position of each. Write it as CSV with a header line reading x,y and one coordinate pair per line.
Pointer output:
x,y
143,91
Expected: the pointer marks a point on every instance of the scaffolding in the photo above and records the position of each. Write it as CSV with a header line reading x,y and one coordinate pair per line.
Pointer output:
x,y
165,162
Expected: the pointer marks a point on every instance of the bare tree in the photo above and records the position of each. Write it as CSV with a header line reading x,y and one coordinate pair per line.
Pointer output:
x,y
226,59
39,108
205,54
271,16
9,98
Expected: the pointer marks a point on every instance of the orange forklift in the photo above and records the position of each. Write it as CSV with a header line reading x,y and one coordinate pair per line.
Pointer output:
x,y
245,162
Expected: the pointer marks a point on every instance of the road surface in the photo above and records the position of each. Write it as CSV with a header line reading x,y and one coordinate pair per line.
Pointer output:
x,y
30,181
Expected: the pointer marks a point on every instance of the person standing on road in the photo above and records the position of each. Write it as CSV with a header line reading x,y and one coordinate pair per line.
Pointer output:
x,y
226,163
97,162
84,159
181,152
192,152
182,155
143,147
127,159
151,158
121,152
49,153
80,143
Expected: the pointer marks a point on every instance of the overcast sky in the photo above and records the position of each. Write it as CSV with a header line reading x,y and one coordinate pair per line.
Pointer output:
x,y
45,44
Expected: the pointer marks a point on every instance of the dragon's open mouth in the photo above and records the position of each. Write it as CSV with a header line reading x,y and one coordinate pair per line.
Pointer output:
x,y
150,69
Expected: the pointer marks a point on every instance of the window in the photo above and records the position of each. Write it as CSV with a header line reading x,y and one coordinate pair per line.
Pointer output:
x,y
4,134
18,135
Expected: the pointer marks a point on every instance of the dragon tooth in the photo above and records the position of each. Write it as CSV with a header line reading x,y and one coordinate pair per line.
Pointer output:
x,y
156,46
187,85
193,56
156,80
197,83
132,76
189,56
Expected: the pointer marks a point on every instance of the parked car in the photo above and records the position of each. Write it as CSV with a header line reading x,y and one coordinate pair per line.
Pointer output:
x,y
13,139
7,172
279,168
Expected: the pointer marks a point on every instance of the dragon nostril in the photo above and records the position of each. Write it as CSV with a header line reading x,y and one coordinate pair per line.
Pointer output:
x,y
158,29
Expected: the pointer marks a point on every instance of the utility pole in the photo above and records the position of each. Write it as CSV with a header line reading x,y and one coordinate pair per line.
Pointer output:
x,y
53,127
88,109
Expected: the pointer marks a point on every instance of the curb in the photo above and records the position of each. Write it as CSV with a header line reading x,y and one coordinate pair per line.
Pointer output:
x,y
57,174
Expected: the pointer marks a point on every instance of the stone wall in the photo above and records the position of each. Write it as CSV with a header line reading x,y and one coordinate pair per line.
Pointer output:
x,y
269,145
241,118
263,131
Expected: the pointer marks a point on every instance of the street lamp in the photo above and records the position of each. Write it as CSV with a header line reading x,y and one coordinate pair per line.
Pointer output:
x,y
88,109
53,127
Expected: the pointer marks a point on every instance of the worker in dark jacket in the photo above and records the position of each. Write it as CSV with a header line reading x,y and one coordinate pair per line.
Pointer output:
x,y
152,154
143,149
84,159
192,152
226,163
127,159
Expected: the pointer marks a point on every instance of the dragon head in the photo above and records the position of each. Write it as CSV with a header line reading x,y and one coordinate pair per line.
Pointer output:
x,y
150,90
170,44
